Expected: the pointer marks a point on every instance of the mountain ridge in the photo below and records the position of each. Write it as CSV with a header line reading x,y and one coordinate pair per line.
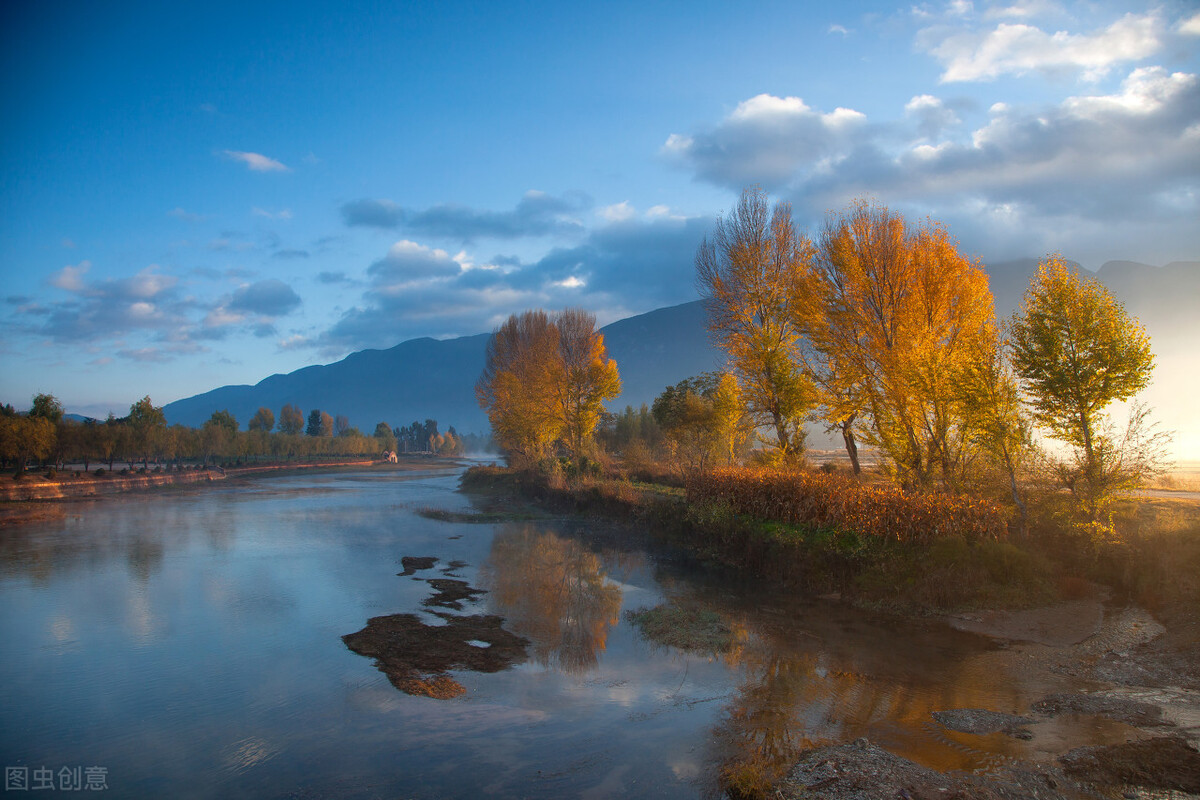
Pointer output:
x,y
431,378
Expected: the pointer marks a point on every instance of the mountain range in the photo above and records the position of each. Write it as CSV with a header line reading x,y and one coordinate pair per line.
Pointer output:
x,y
428,378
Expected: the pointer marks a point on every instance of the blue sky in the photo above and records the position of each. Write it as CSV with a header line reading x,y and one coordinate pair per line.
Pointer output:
x,y
196,195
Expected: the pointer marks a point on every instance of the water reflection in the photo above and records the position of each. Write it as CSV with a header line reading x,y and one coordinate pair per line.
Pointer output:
x,y
553,591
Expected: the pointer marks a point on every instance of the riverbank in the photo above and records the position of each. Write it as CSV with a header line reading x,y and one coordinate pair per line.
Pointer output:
x,y
36,497
1048,617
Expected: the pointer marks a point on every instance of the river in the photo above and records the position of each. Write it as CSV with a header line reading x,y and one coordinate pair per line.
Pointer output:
x,y
190,644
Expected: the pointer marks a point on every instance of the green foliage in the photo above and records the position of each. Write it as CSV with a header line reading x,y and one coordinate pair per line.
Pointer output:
x,y
46,406
1076,351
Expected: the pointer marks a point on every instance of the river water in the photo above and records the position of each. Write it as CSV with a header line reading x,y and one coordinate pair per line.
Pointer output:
x,y
190,644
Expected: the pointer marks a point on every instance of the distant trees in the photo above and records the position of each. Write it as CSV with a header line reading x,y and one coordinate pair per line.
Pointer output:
x,y
1076,351
544,381
263,420
387,439
752,270
291,420
320,423
703,420
147,423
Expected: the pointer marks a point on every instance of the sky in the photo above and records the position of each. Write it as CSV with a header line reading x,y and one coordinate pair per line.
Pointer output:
x,y
194,195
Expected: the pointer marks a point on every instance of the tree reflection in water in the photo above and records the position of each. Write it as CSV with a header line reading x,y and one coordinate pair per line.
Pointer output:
x,y
554,592
816,681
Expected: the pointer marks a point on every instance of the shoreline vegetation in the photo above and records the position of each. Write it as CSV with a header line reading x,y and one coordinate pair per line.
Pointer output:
x,y
1155,561
1056,600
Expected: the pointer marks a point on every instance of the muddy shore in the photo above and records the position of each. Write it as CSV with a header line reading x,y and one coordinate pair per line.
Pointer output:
x,y
1137,673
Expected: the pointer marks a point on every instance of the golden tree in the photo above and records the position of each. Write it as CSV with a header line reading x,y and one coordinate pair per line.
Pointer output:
x,y
892,314
751,270
1076,351
589,377
545,379
519,385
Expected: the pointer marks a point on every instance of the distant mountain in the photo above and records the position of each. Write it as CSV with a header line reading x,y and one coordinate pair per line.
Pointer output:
x,y
427,378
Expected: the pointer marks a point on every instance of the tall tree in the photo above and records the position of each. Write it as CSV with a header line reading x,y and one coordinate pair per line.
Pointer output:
x,y
147,424
320,423
519,386
589,377
291,420
892,313
751,270
263,420
1076,351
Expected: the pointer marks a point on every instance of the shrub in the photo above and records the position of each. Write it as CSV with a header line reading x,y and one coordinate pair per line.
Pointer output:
x,y
99,472
51,473
823,501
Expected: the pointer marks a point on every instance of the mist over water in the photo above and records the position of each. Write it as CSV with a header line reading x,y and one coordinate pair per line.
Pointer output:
x,y
192,645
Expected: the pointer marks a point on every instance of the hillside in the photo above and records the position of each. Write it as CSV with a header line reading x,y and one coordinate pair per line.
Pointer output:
x,y
428,378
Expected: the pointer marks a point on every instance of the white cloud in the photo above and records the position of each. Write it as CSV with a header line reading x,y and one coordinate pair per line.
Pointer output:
x,y
1117,170
764,139
256,161
618,212
1191,25
839,29
70,277
1022,9
283,214
930,115
1018,49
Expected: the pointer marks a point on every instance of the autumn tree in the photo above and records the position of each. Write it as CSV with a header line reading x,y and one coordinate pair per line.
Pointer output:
x,y
263,420
544,380
751,270
588,377
701,418
519,385
998,423
291,420
892,313
1076,351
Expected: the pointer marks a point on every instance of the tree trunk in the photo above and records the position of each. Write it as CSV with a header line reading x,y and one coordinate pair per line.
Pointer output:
x,y
851,445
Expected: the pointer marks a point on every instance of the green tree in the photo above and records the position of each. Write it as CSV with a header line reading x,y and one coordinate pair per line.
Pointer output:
x,y
387,439
752,270
46,406
147,424
1076,351
291,420
320,423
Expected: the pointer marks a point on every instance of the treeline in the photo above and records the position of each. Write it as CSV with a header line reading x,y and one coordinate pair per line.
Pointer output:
x,y
881,331
44,435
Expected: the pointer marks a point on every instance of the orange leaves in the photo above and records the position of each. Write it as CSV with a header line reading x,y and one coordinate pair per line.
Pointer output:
x,y
828,501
